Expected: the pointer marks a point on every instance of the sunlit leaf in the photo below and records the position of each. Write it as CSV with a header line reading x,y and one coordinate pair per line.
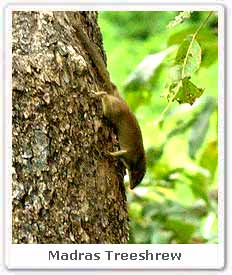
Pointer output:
x,y
182,229
200,127
200,187
207,40
188,92
209,158
153,154
187,62
208,225
209,53
175,73
189,56
146,69
162,238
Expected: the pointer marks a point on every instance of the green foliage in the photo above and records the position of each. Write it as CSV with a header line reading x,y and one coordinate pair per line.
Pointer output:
x,y
160,59
188,92
187,62
206,39
188,56
200,127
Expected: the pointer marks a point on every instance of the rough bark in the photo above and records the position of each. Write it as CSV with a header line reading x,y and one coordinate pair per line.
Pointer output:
x,y
65,187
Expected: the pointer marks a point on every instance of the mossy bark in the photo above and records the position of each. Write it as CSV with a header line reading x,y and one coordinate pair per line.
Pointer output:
x,y
65,187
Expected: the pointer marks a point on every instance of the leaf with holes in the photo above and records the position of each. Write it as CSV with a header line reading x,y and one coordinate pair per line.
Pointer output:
x,y
188,92
189,56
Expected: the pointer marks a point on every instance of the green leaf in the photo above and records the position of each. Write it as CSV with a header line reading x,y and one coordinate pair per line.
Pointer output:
x,y
188,92
182,126
209,230
175,73
209,158
162,238
204,36
146,69
187,62
189,56
207,40
182,229
154,154
199,187
209,53
200,127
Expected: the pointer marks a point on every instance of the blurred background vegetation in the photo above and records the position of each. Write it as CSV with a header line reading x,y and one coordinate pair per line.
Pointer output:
x,y
177,200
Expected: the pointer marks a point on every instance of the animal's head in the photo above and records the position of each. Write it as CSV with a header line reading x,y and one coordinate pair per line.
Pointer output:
x,y
136,174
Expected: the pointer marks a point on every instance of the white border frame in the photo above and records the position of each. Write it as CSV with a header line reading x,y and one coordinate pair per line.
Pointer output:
x,y
17,254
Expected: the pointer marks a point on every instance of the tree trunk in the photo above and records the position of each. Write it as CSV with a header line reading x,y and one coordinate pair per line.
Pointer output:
x,y
66,189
